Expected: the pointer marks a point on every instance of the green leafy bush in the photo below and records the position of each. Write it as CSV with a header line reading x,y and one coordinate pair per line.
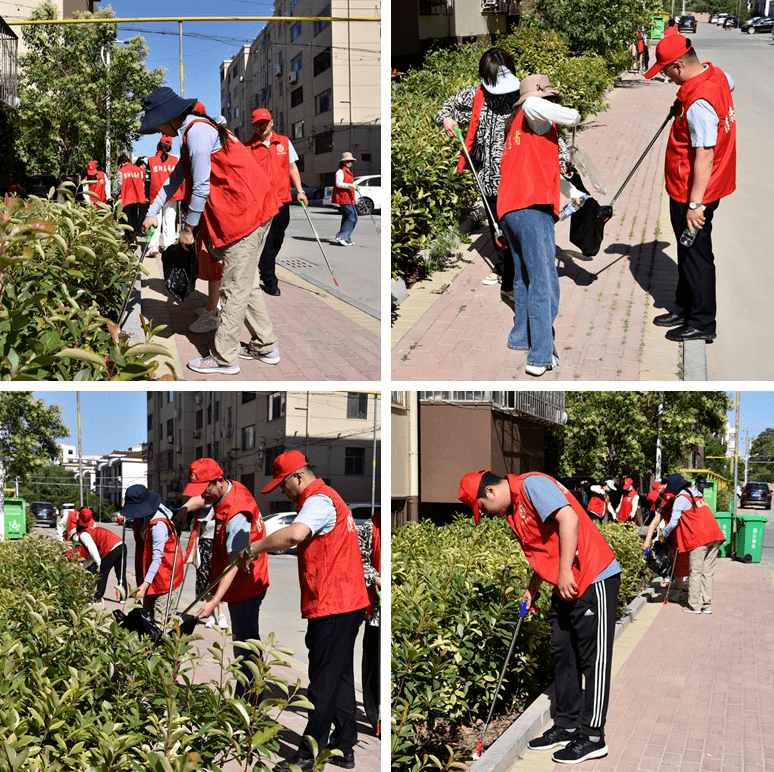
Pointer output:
x,y
64,270
427,192
455,605
79,693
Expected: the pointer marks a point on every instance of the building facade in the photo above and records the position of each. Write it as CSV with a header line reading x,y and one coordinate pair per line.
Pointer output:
x,y
244,431
119,470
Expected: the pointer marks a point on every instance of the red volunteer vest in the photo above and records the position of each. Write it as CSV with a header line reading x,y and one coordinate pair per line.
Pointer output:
x,y
376,561
597,504
275,162
241,197
72,523
470,136
712,86
330,569
697,526
529,169
625,512
161,582
344,195
244,586
159,174
540,541
104,540
96,185
132,185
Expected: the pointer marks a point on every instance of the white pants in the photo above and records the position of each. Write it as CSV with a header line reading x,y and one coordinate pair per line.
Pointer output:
x,y
166,227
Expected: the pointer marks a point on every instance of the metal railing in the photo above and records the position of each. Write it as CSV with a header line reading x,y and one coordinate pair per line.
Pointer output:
x,y
545,406
9,53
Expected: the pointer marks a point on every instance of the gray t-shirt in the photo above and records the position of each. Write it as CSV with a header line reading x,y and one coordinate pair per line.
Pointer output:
x,y
319,514
703,121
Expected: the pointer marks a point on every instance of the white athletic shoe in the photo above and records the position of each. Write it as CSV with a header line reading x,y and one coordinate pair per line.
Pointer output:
x,y
222,622
207,322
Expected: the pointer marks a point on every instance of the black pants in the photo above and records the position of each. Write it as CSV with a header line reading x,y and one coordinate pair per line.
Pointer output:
x,y
331,644
370,674
695,295
272,246
503,262
132,212
115,559
244,626
582,633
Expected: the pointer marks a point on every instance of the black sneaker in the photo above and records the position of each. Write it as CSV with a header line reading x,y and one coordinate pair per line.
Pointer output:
x,y
555,736
581,749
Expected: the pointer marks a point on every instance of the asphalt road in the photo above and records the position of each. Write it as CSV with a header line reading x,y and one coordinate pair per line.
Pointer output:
x,y
357,269
741,234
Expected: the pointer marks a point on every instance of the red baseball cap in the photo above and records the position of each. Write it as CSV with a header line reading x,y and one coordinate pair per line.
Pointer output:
x,y
668,50
285,464
91,167
200,474
85,517
261,114
628,482
468,492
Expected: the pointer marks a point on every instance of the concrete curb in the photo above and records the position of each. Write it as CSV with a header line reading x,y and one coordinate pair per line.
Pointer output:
x,y
508,747
695,360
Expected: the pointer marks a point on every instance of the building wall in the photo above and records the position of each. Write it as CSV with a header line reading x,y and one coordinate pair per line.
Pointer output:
x,y
12,10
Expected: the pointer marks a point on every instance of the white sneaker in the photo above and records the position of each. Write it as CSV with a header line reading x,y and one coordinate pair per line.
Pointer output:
x,y
707,610
210,623
222,622
689,610
207,322
269,358
205,310
538,370
492,278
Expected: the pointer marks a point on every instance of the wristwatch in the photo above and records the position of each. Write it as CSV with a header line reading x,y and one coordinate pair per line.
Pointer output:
x,y
695,205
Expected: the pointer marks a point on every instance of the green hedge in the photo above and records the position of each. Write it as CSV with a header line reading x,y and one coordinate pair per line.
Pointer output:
x,y
79,693
455,605
428,196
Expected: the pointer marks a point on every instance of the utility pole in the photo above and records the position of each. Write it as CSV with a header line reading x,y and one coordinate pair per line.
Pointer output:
x,y
80,454
658,435
746,453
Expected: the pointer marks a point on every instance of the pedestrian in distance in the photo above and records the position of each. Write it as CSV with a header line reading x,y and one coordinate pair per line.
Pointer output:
x,y
700,169
235,201
528,208
344,190
599,507
369,536
129,187
160,167
277,156
157,551
237,522
628,507
333,601
698,533
485,109
106,550
670,28
96,183
565,549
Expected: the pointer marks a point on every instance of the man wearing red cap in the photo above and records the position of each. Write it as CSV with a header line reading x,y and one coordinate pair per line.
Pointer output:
x,y
105,549
333,601
566,550
237,521
95,182
700,169
627,507
277,157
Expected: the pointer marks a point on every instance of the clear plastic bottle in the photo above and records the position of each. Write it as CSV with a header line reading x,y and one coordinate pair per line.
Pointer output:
x,y
571,207
688,237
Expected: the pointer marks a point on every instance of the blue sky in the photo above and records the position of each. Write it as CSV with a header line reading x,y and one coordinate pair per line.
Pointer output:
x,y
756,411
110,420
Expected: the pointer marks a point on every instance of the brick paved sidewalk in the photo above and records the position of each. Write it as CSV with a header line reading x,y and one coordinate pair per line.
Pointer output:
x,y
696,693
604,330
321,338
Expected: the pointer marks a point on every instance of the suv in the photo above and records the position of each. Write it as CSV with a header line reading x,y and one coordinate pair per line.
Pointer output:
x,y
686,24
44,512
756,493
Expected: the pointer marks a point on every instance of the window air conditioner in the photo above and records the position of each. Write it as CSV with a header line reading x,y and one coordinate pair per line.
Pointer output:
x,y
197,433
278,69
293,77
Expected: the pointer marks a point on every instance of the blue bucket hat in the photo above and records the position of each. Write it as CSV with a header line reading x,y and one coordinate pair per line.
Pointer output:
x,y
161,106
139,502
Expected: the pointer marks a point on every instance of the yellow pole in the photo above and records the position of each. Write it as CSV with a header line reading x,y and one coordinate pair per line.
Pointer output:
x,y
180,19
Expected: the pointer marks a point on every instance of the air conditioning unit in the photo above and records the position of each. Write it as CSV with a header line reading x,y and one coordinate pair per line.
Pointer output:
x,y
178,448
170,438
176,414
293,77
197,433
199,400
278,69
226,434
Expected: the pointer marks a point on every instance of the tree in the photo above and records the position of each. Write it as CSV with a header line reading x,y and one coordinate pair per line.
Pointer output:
x,y
613,433
761,452
64,86
28,432
58,484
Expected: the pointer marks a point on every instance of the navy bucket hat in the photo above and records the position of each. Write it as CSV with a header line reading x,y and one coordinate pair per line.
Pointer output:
x,y
139,502
161,106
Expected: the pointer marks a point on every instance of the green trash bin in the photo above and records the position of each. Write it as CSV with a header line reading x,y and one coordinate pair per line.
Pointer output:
x,y
15,518
710,494
749,537
724,521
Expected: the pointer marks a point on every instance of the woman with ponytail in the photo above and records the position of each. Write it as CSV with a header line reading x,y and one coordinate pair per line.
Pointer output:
x,y
161,167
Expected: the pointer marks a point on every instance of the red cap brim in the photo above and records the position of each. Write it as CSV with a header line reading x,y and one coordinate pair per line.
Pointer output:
x,y
195,489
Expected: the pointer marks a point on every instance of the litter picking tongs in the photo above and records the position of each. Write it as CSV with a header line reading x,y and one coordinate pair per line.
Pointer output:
x,y
523,611
368,209
499,238
319,243
148,238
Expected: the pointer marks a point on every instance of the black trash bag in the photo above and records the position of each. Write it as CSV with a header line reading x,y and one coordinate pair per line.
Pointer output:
x,y
187,623
659,558
587,226
138,621
181,269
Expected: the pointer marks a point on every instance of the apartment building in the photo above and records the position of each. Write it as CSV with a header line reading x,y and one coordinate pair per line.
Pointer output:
x,y
119,470
244,431
320,81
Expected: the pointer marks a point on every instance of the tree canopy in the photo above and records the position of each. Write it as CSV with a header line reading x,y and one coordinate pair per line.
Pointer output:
x,y
64,87
762,457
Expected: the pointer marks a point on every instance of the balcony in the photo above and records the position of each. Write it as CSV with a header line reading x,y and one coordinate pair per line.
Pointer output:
x,y
547,406
9,45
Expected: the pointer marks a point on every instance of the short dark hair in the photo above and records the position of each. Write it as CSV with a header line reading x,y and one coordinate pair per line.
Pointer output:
x,y
490,63
123,159
487,479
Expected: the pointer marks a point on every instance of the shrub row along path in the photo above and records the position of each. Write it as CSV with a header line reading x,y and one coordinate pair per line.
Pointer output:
x,y
604,329
695,692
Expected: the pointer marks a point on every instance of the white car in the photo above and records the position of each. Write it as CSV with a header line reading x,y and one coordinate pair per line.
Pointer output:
x,y
369,199
276,521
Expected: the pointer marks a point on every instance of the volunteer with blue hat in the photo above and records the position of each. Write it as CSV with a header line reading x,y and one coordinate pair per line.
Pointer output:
x,y
229,194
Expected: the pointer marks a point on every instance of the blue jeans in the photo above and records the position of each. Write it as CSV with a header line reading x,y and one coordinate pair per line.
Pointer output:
x,y
530,234
348,221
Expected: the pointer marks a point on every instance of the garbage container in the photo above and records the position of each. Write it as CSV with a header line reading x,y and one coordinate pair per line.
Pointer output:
x,y
710,494
749,537
15,518
724,521
657,25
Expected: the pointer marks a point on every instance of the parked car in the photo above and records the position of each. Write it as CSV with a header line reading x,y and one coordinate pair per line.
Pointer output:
x,y
275,522
313,192
731,22
686,24
766,24
713,19
756,494
361,511
45,513
721,19
370,197
747,24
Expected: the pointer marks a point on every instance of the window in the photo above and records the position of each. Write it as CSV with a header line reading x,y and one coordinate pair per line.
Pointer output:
x,y
209,450
170,397
236,93
279,60
161,430
216,454
209,413
199,453
322,61
150,451
150,421
170,428
365,157
322,102
248,480
319,26
357,405
248,437
354,461
297,130
199,419
295,31
300,163
236,112
297,97
271,454
275,406
296,63
323,142
247,396
281,88
217,410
